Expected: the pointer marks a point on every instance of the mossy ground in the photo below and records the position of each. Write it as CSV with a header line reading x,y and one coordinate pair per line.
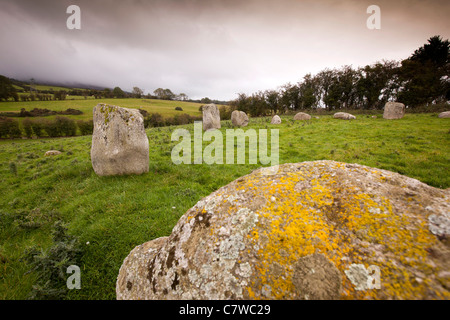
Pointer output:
x,y
111,215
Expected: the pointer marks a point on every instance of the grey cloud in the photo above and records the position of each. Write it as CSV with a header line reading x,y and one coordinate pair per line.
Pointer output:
x,y
207,47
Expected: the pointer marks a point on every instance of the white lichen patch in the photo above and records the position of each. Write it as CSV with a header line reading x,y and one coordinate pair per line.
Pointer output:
x,y
212,203
358,276
439,224
244,270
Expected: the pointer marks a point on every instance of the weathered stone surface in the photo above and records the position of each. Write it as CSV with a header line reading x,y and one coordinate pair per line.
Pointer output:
x,y
302,116
239,118
211,117
445,114
276,120
137,264
316,278
394,110
307,232
344,116
52,153
119,142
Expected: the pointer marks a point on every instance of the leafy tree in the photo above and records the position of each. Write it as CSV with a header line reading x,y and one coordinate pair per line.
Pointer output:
x,y
424,75
241,103
118,93
26,123
164,94
272,98
325,79
308,91
258,104
137,92
183,97
107,93
58,95
9,128
7,89
290,97
67,126
155,120
205,100
86,127
38,127
376,84
435,51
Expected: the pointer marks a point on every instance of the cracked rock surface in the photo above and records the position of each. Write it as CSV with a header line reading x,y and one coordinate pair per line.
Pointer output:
x,y
119,142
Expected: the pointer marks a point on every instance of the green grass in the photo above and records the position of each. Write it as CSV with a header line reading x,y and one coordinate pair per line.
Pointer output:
x,y
114,214
164,107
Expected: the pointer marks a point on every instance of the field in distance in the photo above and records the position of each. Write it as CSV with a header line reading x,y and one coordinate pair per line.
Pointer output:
x,y
165,107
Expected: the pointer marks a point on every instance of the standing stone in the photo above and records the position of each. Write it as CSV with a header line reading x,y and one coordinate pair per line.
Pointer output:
x,y
445,114
211,117
276,120
394,110
344,116
302,116
239,118
119,142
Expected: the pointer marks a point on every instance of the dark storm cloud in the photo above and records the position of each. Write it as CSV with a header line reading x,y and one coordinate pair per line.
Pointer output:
x,y
207,47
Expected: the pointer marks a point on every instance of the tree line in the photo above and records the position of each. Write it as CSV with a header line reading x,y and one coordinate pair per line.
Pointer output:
x,y
57,127
422,79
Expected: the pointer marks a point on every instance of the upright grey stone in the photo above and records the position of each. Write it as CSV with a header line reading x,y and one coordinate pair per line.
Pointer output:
x,y
119,142
445,114
239,118
302,116
211,117
394,110
344,116
276,120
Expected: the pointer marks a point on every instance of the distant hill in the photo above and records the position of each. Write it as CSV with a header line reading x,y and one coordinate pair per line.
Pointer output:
x,y
38,85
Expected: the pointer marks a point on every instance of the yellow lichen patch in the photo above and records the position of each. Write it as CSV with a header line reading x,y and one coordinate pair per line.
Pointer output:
x,y
344,224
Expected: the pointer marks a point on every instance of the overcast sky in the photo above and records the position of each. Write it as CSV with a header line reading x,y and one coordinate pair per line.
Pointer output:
x,y
207,48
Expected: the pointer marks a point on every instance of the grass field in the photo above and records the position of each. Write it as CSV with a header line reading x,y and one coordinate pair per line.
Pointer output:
x,y
164,107
111,215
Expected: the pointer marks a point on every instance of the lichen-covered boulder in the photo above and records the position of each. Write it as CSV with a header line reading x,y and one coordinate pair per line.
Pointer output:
x,y
394,110
52,153
344,116
239,118
211,117
275,120
119,142
445,114
302,116
313,230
